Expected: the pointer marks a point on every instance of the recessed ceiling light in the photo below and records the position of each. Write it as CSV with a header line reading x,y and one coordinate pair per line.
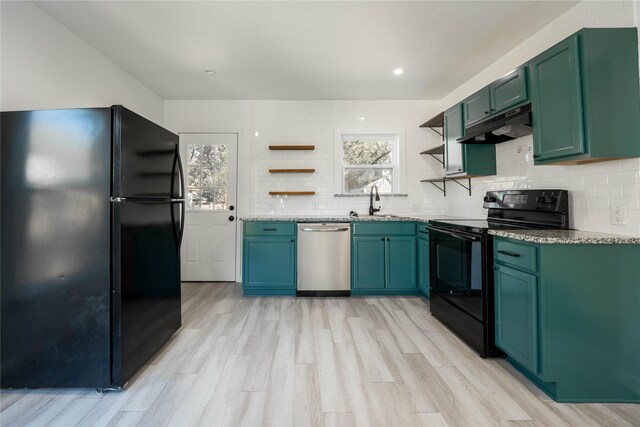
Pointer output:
x,y
398,71
209,72
361,119
256,133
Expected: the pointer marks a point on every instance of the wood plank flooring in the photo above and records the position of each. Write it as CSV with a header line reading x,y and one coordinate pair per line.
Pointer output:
x,y
310,362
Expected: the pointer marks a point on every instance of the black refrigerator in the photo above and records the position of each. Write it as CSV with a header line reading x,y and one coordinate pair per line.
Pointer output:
x,y
92,220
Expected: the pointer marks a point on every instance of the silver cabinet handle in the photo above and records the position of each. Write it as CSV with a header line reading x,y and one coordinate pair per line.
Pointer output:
x,y
325,230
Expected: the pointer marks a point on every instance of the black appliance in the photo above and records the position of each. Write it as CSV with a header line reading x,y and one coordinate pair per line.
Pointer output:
x,y
461,259
92,217
506,126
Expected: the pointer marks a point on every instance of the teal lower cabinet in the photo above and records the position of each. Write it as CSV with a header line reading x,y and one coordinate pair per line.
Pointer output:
x,y
383,258
401,263
516,314
423,260
367,269
568,317
269,259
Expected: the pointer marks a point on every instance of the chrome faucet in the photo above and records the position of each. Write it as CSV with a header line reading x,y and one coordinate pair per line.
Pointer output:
x,y
373,210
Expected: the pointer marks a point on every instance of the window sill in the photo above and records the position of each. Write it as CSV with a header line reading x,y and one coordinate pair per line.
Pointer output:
x,y
367,195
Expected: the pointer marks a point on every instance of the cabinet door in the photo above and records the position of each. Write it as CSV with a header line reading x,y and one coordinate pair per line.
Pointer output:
x,y
556,102
509,91
401,262
368,262
423,265
269,262
453,158
516,315
477,107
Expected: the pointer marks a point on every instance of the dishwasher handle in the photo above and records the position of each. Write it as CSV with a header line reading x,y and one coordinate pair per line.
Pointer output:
x,y
325,230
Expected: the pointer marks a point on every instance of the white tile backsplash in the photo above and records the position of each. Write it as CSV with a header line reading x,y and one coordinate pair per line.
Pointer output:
x,y
315,122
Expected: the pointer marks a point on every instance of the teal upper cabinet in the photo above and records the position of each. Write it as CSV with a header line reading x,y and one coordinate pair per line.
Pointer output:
x,y
585,98
477,107
465,159
384,258
499,96
509,91
453,129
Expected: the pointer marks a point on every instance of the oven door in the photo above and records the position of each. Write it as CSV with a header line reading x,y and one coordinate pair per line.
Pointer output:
x,y
456,269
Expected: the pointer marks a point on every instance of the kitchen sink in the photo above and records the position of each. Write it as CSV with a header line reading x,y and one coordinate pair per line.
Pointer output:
x,y
378,216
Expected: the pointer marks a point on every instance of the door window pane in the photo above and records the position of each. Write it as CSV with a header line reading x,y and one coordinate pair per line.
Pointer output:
x,y
207,177
193,198
193,178
193,154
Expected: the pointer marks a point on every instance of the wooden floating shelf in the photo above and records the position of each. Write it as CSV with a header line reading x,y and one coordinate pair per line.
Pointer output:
x,y
292,193
292,170
436,150
443,181
292,147
435,122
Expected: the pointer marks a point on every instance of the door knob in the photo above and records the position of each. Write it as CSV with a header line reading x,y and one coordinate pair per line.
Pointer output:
x,y
231,218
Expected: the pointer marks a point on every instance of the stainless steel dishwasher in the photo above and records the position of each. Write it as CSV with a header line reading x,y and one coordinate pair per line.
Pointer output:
x,y
324,259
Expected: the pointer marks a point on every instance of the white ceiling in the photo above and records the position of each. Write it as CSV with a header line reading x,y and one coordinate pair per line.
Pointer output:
x,y
304,50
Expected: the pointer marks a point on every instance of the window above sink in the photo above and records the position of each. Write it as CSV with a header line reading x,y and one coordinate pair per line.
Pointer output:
x,y
365,159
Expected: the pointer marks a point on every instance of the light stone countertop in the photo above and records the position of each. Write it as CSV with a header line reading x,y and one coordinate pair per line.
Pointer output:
x,y
334,218
567,237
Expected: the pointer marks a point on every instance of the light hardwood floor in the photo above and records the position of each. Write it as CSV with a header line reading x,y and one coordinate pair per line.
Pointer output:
x,y
306,362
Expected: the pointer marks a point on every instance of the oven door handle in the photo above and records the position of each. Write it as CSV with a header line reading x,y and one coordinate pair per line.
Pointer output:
x,y
457,234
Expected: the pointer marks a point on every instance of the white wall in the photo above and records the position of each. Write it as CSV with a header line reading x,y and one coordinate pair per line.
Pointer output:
x,y
44,65
594,187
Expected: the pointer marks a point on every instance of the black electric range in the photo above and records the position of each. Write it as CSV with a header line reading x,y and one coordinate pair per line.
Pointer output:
x,y
461,259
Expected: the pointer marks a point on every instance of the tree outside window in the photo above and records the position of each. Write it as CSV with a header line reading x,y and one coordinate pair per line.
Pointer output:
x,y
369,160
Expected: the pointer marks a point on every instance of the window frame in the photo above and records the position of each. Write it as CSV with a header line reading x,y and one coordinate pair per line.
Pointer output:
x,y
398,157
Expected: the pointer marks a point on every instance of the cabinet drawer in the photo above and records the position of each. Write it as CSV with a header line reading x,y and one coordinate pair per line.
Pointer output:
x,y
515,254
423,230
269,229
380,228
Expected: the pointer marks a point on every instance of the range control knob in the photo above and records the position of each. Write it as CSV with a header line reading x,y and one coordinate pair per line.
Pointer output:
x,y
540,199
551,199
489,199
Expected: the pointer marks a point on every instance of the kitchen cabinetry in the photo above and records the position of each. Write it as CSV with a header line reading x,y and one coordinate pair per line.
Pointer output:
x,y
465,160
477,107
453,129
516,314
585,98
509,91
423,259
499,96
384,259
567,316
269,258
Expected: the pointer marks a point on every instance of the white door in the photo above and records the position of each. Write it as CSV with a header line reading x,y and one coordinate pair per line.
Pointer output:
x,y
209,242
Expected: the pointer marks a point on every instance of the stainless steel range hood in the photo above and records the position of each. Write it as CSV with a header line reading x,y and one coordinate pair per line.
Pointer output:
x,y
503,127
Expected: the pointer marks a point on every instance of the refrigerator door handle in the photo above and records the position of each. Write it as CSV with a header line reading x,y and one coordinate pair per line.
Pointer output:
x,y
182,221
181,192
